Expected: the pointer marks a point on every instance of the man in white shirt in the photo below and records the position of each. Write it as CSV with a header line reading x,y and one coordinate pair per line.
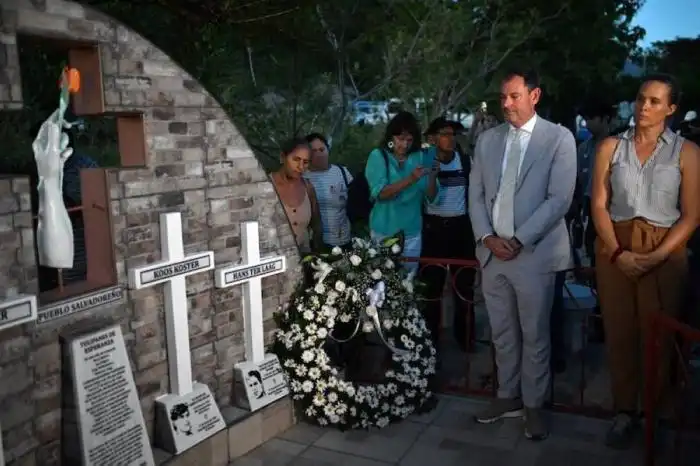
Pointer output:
x,y
521,186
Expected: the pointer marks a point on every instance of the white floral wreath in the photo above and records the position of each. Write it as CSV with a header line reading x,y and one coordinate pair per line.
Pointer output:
x,y
361,290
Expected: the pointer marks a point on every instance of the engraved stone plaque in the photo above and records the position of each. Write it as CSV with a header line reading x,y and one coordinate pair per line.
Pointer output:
x,y
184,421
110,421
258,385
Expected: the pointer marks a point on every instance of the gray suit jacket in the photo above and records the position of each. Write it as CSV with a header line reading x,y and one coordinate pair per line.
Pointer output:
x,y
543,194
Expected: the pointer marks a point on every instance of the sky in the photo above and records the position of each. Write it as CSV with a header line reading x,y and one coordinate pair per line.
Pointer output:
x,y
668,19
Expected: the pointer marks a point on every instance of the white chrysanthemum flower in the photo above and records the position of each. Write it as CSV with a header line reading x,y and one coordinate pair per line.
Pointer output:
x,y
307,386
371,252
355,260
389,264
322,333
387,324
371,311
336,251
376,274
320,288
367,327
308,315
340,286
307,356
395,248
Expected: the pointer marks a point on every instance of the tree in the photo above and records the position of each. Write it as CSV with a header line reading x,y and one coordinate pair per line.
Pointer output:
x,y
677,57
581,52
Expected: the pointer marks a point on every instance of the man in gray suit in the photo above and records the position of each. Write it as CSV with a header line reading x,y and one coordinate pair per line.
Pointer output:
x,y
521,186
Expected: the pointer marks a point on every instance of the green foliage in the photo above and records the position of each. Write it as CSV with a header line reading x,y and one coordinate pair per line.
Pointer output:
x,y
678,57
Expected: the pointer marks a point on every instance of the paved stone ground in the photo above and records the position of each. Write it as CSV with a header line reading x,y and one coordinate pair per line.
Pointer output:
x,y
593,381
449,436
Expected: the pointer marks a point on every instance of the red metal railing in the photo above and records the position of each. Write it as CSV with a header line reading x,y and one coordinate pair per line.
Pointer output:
x,y
666,331
487,384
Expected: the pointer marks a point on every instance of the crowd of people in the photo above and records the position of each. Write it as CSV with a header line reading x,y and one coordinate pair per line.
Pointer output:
x,y
522,202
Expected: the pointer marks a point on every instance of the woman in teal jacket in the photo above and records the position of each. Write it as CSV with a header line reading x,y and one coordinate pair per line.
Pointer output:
x,y
399,184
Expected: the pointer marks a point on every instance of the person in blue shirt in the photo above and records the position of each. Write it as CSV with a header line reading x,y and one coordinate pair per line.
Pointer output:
x,y
399,184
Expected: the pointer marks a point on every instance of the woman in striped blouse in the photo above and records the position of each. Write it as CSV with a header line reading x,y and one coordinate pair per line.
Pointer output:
x,y
331,185
644,206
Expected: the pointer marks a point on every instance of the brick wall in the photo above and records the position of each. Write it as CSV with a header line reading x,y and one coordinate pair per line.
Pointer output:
x,y
198,164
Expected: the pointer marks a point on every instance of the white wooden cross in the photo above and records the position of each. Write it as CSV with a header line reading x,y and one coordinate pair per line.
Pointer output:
x,y
249,274
172,270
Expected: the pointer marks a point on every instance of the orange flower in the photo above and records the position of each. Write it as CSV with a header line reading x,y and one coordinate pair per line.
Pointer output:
x,y
70,78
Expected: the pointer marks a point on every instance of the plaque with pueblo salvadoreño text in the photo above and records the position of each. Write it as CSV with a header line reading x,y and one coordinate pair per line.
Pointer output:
x,y
259,380
110,421
17,310
188,414
81,303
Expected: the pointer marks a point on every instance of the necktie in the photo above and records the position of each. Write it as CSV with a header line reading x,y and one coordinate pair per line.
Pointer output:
x,y
504,224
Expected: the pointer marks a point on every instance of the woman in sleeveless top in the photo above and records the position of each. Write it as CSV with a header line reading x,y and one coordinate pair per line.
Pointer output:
x,y
645,207
297,195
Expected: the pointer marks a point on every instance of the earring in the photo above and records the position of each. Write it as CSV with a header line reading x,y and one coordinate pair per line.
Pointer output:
x,y
390,144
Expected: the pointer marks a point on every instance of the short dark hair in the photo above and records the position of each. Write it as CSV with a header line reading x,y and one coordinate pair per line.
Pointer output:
x,y
291,145
256,374
530,76
311,137
403,122
674,90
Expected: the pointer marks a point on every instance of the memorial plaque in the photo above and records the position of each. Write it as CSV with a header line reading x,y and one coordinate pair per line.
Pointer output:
x,y
110,422
184,421
241,274
258,385
165,271
17,310
81,303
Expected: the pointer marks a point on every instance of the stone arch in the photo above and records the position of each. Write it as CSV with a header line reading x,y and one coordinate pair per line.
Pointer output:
x,y
180,152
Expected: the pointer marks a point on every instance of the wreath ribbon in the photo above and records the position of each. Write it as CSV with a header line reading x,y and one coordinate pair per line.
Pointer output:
x,y
376,299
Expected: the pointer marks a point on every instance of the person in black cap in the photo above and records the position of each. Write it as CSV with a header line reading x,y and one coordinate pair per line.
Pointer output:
x,y
447,232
